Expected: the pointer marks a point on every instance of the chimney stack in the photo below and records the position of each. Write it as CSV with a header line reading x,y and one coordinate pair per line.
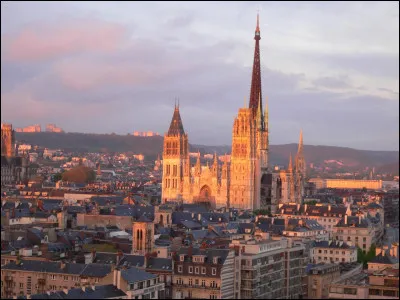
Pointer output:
x,y
359,219
119,257
329,207
345,219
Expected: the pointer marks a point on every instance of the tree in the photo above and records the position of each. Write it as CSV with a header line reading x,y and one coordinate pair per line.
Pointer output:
x,y
57,177
79,174
363,257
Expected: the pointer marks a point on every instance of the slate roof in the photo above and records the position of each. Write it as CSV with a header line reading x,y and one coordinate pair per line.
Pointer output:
x,y
209,253
176,126
98,292
160,264
92,270
133,275
332,244
313,210
353,221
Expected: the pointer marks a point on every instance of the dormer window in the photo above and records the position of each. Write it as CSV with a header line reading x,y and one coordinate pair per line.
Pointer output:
x,y
215,260
182,257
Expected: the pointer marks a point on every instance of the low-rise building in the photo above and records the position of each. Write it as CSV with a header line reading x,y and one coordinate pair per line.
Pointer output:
x,y
319,279
357,230
333,252
26,277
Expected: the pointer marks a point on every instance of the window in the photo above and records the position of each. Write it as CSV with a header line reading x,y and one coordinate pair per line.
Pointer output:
x,y
96,280
66,278
213,271
21,285
190,269
203,270
196,270
153,294
203,283
190,281
53,277
148,283
180,269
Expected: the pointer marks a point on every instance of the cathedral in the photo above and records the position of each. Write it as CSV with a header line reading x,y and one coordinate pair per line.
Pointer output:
x,y
247,181
14,169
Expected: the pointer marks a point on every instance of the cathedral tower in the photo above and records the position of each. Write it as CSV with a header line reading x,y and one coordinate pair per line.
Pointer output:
x,y
175,158
251,184
7,140
300,171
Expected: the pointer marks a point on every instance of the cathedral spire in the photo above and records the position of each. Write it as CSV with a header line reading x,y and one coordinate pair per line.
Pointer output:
x,y
266,114
255,91
290,168
176,127
300,148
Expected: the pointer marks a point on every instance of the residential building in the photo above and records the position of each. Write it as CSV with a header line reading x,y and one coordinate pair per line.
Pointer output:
x,y
26,277
205,274
333,251
319,278
271,269
357,230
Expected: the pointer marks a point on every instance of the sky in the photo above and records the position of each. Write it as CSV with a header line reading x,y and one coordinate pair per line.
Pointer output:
x,y
328,68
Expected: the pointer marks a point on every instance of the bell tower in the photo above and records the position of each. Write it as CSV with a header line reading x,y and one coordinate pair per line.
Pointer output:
x,y
7,140
175,158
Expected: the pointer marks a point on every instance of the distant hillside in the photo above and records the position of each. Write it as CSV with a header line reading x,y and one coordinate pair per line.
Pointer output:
x,y
151,146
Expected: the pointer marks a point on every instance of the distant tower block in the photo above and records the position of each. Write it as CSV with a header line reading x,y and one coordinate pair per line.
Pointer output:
x,y
143,236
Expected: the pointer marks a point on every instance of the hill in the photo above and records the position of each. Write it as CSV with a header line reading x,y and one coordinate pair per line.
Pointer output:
x,y
152,146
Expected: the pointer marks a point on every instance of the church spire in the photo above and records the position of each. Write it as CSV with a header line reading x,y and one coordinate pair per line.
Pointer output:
x,y
176,127
300,148
255,91
290,168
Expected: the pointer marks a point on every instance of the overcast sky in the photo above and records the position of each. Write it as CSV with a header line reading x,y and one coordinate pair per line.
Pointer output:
x,y
329,68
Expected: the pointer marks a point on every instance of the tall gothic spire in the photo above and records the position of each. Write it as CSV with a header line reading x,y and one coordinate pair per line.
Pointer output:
x,y
290,168
255,91
176,127
266,114
300,148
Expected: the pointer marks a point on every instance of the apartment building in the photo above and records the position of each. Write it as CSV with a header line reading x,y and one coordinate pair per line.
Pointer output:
x,y
326,215
270,269
138,284
26,277
357,230
319,278
382,284
205,274
333,252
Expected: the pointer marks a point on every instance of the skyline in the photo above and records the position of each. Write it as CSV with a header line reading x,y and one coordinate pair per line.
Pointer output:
x,y
116,56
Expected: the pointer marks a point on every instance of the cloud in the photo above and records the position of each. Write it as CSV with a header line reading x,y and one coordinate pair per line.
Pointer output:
x,y
332,83
110,75
45,41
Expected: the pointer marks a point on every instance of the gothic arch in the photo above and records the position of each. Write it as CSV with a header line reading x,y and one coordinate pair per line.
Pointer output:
x,y
205,192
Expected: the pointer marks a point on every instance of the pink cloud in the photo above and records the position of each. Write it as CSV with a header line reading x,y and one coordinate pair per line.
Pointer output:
x,y
85,74
45,42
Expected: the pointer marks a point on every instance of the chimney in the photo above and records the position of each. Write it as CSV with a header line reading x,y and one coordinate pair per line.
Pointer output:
x,y
256,218
62,265
329,207
395,249
305,208
359,219
119,257
345,219
93,255
378,251
190,251
298,207
199,217
272,220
